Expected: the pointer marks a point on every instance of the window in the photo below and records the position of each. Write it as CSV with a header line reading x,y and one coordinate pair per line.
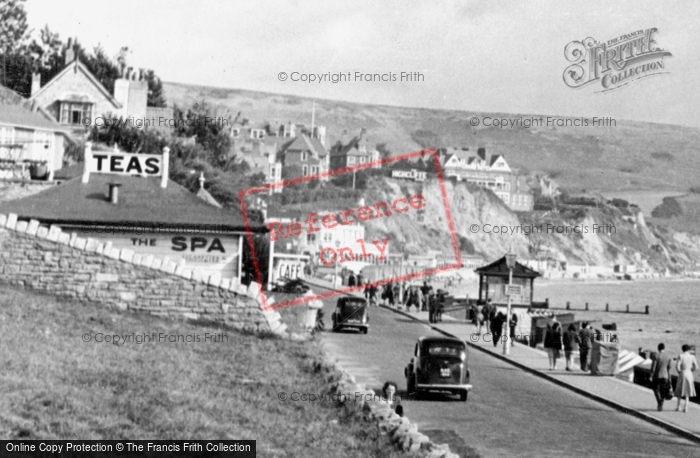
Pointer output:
x,y
310,238
327,237
44,140
273,171
351,159
304,156
314,170
362,160
257,134
7,134
304,170
74,113
235,132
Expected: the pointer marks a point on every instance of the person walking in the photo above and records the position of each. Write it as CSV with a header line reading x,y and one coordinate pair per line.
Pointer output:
x,y
685,385
425,290
660,378
397,294
351,280
585,343
552,342
479,317
487,314
569,340
497,327
513,324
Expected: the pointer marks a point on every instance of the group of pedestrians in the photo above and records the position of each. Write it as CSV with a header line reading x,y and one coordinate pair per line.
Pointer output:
x,y
489,317
556,340
661,365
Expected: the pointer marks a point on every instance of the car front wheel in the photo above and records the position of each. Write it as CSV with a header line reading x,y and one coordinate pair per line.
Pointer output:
x,y
463,395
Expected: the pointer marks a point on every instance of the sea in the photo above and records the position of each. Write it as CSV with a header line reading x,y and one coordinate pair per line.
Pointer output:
x,y
674,308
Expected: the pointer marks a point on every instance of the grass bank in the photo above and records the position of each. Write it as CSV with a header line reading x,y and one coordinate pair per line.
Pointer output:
x,y
55,385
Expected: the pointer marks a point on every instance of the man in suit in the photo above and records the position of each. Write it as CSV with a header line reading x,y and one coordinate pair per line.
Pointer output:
x,y
585,343
660,378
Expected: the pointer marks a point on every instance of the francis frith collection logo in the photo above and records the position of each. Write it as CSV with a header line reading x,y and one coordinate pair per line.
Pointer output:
x,y
615,63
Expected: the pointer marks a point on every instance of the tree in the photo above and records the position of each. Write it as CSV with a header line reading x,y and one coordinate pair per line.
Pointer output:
x,y
156,94
13,32
13,25
210,130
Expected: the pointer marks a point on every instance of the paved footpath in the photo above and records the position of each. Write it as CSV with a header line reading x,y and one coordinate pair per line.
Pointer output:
x,y
619,394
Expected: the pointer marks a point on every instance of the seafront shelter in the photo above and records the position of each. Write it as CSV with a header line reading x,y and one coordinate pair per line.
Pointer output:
x,y
493,282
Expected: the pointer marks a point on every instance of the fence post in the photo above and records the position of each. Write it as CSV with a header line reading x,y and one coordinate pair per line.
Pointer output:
x,y
628,309
568,305
607,307
586,306
646,310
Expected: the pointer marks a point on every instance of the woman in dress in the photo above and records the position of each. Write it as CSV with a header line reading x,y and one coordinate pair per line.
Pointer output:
x,y
552,342
685,385
479,317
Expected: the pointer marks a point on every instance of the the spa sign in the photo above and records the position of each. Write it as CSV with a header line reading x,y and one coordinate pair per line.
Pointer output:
x,y
614,63
207,253
150,165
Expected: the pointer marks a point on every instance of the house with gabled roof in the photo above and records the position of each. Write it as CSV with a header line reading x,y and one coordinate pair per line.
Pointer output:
x,y
492,173
76,99
356,151
303,156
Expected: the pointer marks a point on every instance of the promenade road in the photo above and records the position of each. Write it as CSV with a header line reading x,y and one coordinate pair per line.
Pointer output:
x,y
510,412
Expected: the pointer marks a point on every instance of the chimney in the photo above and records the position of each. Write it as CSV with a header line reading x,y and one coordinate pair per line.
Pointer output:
x,y
482,153
114,193
36,83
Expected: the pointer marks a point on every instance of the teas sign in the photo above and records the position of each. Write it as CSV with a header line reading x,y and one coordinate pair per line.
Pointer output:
x,y
119,163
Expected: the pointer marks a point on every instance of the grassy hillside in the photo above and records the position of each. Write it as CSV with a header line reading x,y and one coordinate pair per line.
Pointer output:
x,y
55,385
630,156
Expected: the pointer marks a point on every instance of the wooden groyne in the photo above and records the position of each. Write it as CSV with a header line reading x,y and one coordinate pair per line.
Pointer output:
x,y
607,309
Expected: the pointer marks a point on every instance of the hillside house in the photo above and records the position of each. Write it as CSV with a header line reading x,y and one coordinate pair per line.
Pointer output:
x,y
492,173
351,152
303,156
77,100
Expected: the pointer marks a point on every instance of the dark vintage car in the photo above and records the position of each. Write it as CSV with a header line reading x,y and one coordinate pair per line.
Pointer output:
x,y
351,312
290,285
438,364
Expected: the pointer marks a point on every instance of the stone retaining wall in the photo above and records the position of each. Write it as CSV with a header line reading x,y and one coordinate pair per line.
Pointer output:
x,y
50,260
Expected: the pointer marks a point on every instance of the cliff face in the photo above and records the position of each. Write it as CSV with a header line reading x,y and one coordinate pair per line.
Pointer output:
x,y
485,225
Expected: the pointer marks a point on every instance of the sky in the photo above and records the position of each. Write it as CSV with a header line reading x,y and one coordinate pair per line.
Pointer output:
x,y
505,56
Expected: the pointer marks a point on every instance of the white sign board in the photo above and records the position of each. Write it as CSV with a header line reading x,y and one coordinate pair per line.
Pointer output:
x,y
288,267
514,290
120,163
208,253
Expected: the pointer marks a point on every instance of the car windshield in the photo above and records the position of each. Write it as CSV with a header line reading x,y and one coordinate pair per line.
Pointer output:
x,y
349,306
445,350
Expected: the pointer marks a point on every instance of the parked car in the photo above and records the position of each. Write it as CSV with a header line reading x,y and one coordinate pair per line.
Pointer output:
x,y
438,364
351,312
290,285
